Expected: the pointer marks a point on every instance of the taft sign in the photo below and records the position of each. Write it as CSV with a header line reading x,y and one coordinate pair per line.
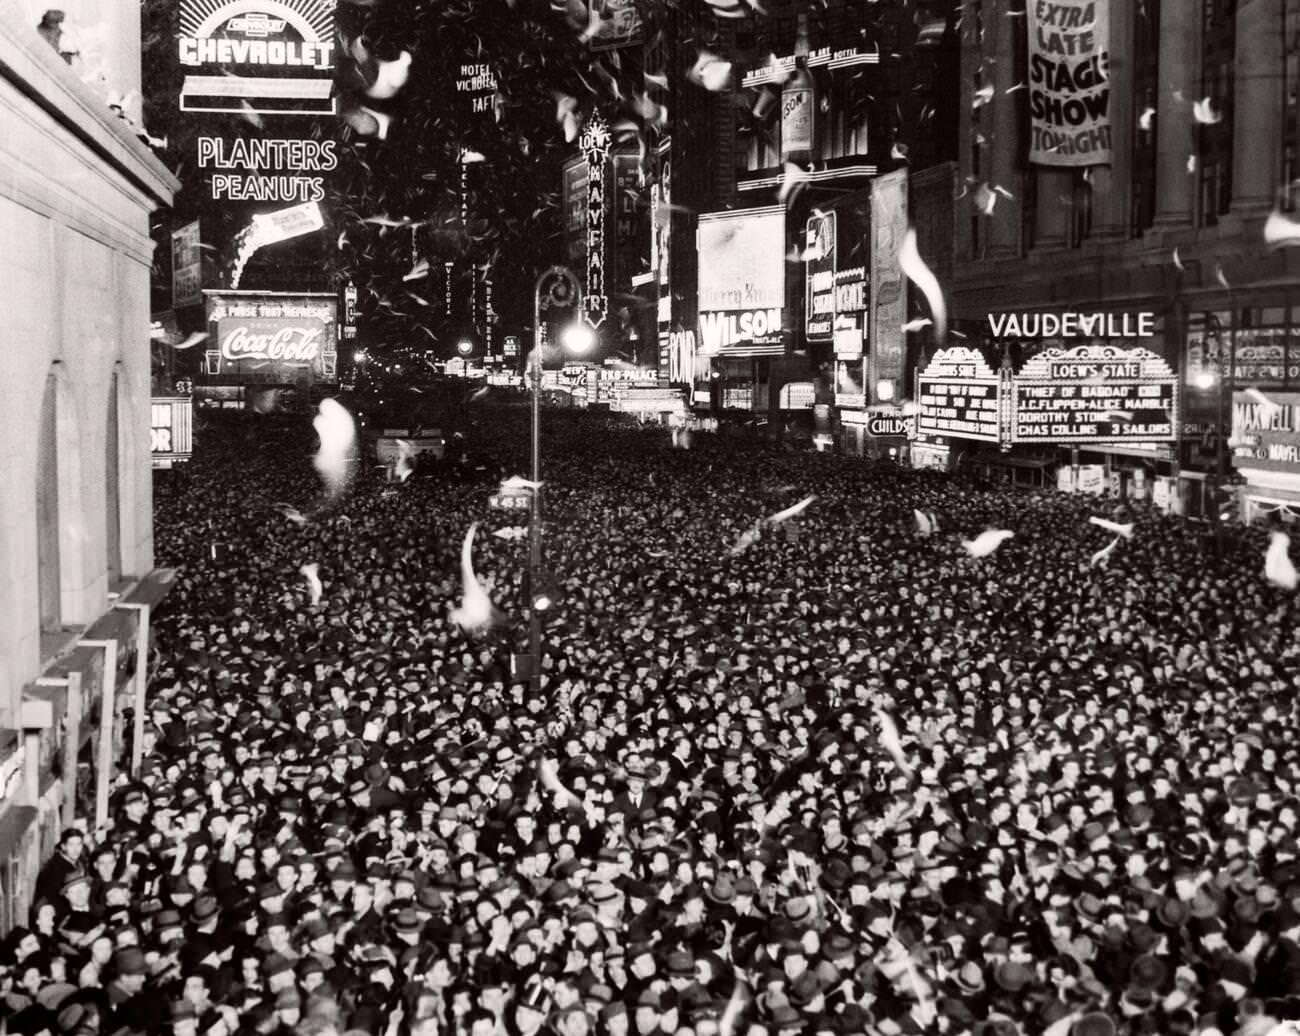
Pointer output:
x,y
294,343
1069,82
273,57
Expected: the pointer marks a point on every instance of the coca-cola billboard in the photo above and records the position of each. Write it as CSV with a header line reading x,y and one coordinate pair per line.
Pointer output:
x,y
287,341
271,338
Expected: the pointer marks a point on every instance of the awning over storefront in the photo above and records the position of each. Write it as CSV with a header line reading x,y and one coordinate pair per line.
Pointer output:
x,y
1004,460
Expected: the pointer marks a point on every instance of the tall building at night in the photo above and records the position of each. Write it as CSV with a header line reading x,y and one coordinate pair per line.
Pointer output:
x,y
76,532
845,92
1162,206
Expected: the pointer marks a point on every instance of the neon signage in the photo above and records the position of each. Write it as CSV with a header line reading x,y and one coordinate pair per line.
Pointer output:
x,y
266,170
595,146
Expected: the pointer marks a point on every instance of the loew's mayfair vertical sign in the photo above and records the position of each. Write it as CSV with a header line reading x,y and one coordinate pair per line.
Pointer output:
x,y
595,143
1069,82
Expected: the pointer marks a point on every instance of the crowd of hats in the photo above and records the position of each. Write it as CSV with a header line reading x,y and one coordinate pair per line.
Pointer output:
x,y
351,820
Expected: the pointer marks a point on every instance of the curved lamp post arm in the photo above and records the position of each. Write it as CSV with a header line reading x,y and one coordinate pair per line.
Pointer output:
x,y
555,286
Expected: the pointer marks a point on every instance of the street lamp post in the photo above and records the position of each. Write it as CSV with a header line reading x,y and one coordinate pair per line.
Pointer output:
x,y
555,287
1220,454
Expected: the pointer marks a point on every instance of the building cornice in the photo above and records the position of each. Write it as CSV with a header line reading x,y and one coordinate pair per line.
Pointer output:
x,y
34,69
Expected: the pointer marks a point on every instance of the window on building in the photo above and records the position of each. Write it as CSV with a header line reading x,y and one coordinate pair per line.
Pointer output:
x,y
1218,41
761,145
1029,202
1146,86
843,111
1080,226
112,492
47,509
1291,101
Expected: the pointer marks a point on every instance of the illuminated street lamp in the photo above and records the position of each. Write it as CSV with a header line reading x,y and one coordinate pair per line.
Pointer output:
x,y
1206,379
464,347
578,339
556,287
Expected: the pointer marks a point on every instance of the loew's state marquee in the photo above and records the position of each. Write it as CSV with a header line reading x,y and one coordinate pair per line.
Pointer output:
x,y
1087,394
1094,393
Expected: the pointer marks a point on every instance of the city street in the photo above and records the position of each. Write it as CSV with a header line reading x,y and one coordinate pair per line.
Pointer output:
x,y
650,518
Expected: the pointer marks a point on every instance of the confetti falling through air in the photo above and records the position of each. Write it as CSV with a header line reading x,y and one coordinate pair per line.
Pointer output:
x,y
338,441
986,542
1126,530
475,611
311,573
1278,567
909,259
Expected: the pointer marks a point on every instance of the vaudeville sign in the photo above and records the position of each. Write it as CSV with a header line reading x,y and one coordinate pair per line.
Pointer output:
x,y
1097,393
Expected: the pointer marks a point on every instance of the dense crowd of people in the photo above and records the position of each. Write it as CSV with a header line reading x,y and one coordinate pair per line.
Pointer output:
x,y
831,778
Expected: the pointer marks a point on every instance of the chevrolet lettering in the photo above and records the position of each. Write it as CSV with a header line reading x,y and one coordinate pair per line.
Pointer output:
x,y
275,53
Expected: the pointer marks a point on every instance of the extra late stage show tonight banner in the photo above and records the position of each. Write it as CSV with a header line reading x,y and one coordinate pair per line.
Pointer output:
x,y
1069,82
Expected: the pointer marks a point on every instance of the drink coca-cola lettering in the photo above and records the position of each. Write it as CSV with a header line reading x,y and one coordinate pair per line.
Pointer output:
x,y
289,344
